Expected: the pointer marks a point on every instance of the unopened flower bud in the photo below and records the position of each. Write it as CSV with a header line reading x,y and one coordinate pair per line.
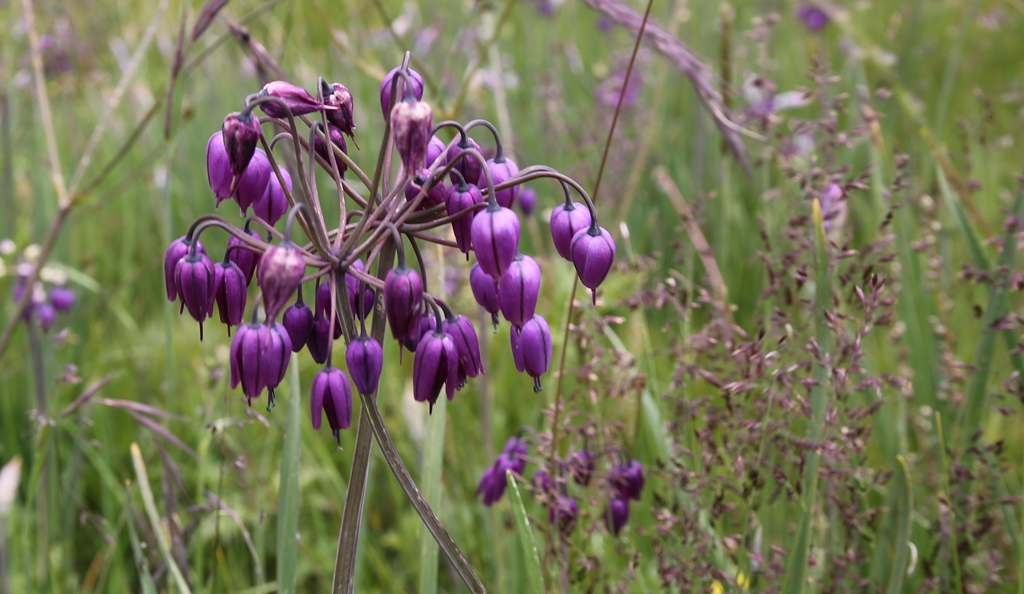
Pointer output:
x,y
353,284
338,140
254,181
279,274
434,150
563,512
517,351
194,281
436,195
493,482
385,89
535,348
175,252
436,363
323,307
527,200
241,133
412,125
365,359
243,257
616,515
495,234
273,204
502,169
62,298
338,96
259,358
331,394
46,314
318,343
426,325
460,197
627,480
218,168
566,221
298,322
403,300
519,289
229,292
485,291
467,165
582,466
593,253
298,100
463,333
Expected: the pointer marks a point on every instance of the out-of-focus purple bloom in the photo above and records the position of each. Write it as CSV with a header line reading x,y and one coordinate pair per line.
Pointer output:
x,y
512,458
763,101
833,207
323,307
352,284
627,480
616,514
607,93
605,24
813,16
434,150
46,314
527,200
540,481
582,466
62,298
563,513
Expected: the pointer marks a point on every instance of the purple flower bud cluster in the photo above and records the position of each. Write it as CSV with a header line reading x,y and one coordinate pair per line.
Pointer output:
x,y
48,296
512,458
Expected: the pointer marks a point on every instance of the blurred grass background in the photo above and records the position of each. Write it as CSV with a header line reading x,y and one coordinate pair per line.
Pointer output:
x,y
947,70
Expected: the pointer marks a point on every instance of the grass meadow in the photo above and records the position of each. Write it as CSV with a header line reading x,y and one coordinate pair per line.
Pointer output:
x,y
811,337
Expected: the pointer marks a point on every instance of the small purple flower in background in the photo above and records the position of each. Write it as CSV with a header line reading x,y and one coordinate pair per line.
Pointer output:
x,y
833,207
607,93
617,514
563,513
512,457
627,480
763,101
813,16
582,466
527,200
605,24
62,298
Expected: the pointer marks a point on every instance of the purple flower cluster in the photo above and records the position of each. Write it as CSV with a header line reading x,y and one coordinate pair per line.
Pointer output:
x,y
48,296
493,482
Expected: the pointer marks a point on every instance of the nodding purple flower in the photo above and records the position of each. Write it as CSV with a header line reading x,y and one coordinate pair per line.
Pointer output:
x,y
352,283
427,325
593,253
607,93
318,343
254,181
463,333
485,291
493,482
436,362
460,197
259,359
517,351
298,322
194,281
243,257
331,393
436,195
279,274
176,251
273,204
415,80
616,514
563,513
627,480
535,348
338,96
541,482
230,290
403,301
241,133
218,169
495,234
298,100
567,219
62,298
527,200
468,166
338,140
323,307
582,466
412,124
502,169
813,16
46,314
518,290
434,150
365,359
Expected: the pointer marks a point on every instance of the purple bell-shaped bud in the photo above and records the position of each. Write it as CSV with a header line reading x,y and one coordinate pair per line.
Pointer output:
x,y
277,352
567,219
517,351
563,513
279,274
502,168
436,363
593,253
540,481
528,201
178,249
426,325
415,80
616,515
463,333
627,480
518,290
259,358
434,150
365,359
460,197
318,343
338,96
218,168
535,347
298,322
331,394
46,314
230,290
485,291
412,124
273,204
434,196
323,308
495,234
194,281
62,298
298,100
338,140
353,284
241,132
243,257
493,482
582,466
403,300
254,181
467,165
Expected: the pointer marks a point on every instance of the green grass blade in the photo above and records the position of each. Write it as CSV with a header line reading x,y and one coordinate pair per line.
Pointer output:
x,y
430,486
288,499
952,510
796,569
154,519
905,506
530,556
145,578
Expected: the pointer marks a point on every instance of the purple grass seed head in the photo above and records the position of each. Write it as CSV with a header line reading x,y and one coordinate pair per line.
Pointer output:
x,y
616,515
434,196
230,290
435,363
273,204
194,281
501,170
519,289
176,251
365,359
460,197
254,181
338,140
243,257
495,235
279,274
535,348
468,166
241,133
563,513
298,322
412,124
331,394
62,298
485,291
463,333
403,301
567,219
627,480
593,253
401,87
527,200
336,95
298,100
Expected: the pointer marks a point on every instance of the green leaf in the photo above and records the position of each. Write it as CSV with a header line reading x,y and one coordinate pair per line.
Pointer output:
x,y
530,556
146,579
904,507
288,498
430,486
154,519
